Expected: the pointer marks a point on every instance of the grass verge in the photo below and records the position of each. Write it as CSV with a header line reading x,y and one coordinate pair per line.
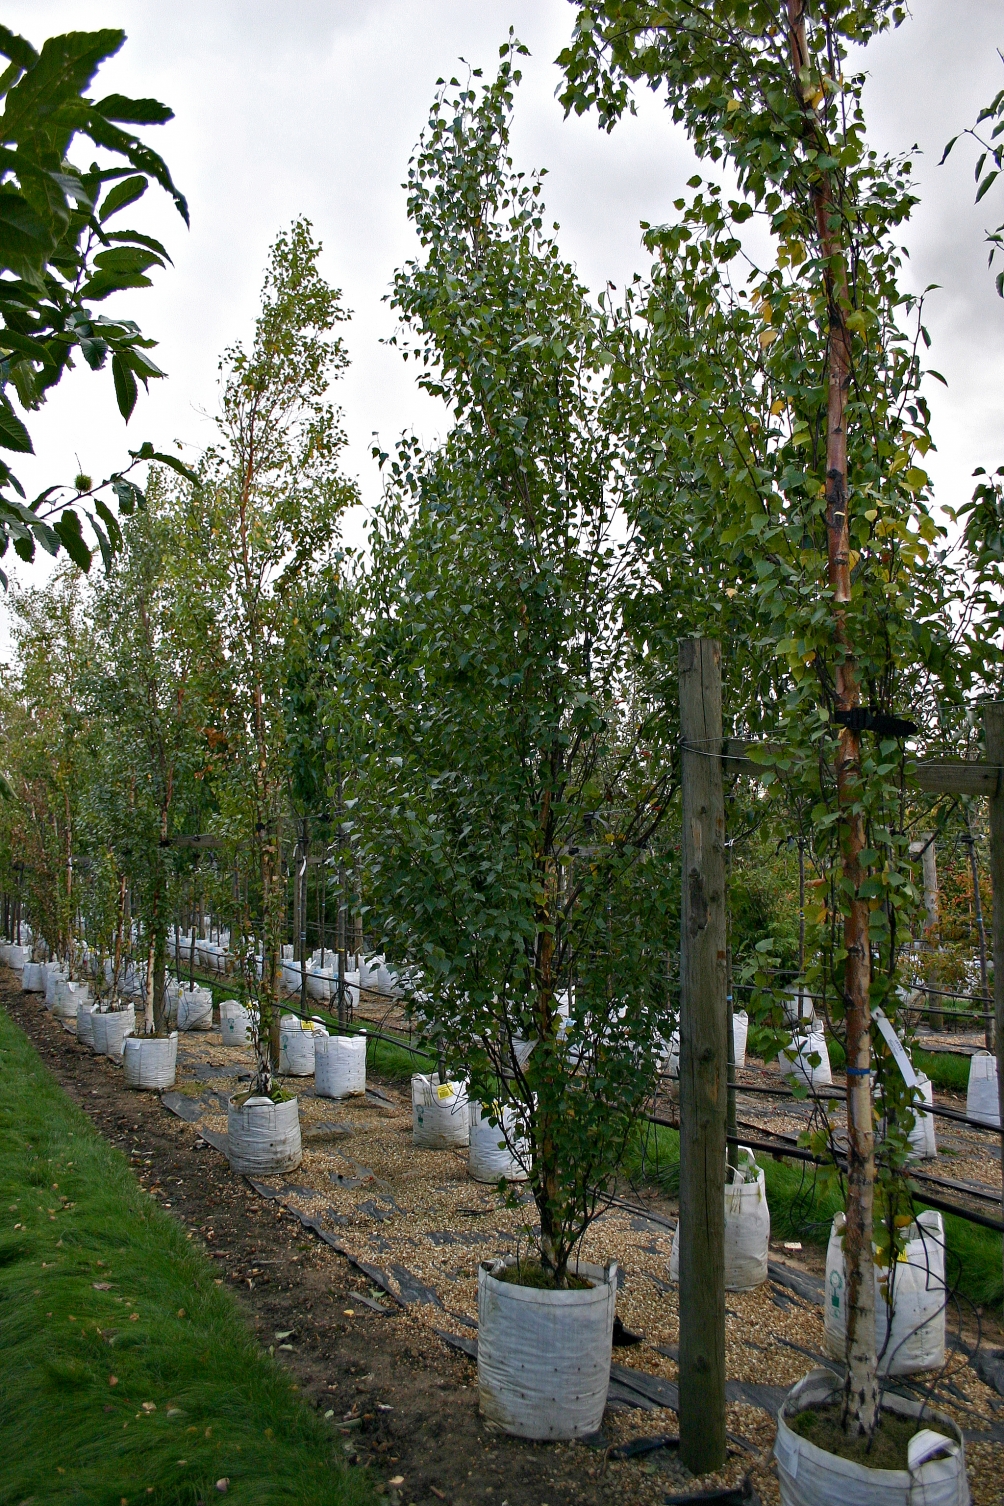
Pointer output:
x,y
127,1375
802,1205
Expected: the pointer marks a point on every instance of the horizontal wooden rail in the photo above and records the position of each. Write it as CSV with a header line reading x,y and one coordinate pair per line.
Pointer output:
x,y
937,776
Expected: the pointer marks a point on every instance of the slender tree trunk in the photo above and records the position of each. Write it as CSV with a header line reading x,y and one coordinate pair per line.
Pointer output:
x,y
981,930
118,934
861,1388
703,1060
546,1161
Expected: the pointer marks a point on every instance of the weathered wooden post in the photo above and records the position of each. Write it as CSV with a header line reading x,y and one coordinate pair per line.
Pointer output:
x,y
703,1071
993,728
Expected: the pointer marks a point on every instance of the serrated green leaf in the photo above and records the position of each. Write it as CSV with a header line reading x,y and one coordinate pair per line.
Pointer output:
x,y
67,530
134,111
13,434
126,390
126,192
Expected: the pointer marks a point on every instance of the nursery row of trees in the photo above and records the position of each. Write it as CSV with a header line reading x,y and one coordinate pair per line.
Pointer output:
x,y
478,716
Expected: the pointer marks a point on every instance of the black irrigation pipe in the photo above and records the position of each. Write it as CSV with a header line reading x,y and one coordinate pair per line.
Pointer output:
x,y
924,988
965,1014
371,1035
795,1153
841,1097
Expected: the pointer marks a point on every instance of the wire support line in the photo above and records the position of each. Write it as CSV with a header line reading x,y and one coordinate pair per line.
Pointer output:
x,y
838,1095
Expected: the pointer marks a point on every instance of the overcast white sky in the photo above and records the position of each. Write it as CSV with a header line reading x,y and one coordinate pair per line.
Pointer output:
x,y
286,107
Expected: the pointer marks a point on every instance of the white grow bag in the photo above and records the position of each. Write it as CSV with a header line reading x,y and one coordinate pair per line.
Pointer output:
x,y
54,973
66,996
235,1024
110,1030
923,1140
982,1102
740,1035
544,1357
490,1157
671,1060
794,1060
33,978
149,1061
85,1022
916,1339
339,1065
320,981
195,1008
263,1137
747,1228
296,1045
18,958
808,1476
439,1117
798,1008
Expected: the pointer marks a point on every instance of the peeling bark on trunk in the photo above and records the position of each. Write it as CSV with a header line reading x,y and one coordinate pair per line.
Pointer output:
x,y
861,1387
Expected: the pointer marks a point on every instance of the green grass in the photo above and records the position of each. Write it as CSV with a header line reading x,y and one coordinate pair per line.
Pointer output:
x,y
390,1061
946,1070
77,1364
802,1205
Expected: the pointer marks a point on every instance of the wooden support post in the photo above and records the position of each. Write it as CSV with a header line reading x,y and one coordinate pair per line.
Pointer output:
x,y
703,1072
993,728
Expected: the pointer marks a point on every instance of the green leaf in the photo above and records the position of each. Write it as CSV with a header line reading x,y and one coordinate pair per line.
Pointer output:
x,y
104,283
64,68
107,553
13,434
126,390
177,465
111,522
129,495
987,183
17,49
127,192
135,238
67,530
134,111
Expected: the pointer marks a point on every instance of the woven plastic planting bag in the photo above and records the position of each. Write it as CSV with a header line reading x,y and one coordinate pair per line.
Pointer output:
x,y
747,1228
981,1096
915,1338
149,1061
808,1476
54,972
263,1137
33,978
66,996
543,1356
923,1140
296,1045
195,1008
85,1022
235,1024
489,1156
339,1065
439,1117
110,1030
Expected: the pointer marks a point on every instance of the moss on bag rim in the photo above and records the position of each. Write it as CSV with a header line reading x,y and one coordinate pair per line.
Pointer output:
x,y
887,1449
532,1273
